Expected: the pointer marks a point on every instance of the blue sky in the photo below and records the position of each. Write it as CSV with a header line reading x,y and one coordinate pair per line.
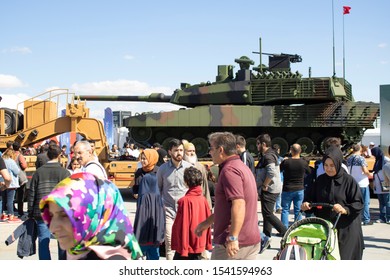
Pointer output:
x,y
136,47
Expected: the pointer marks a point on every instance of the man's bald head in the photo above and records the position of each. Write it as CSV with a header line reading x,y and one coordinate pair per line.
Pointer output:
x,y
295,149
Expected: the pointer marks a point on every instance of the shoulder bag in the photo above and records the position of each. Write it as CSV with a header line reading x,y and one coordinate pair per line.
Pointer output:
x,y
384,185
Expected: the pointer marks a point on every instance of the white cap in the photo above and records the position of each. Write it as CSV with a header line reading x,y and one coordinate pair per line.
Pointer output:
x,y
372,144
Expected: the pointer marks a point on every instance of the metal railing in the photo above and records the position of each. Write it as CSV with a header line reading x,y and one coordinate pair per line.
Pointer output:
x,y
59,97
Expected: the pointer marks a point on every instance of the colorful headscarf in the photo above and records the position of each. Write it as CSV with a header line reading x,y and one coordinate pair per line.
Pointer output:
x,y
152,157
96,210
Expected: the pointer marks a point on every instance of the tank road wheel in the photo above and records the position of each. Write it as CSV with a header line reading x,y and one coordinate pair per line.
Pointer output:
x,y
166,142
201,147
251,145
291,137
160,136
140,134
322,145
187,136
9,121
307,145
315,136
284,148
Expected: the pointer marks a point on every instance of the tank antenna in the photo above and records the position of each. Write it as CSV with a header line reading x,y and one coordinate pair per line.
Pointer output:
x,y
260,68
334,63
260,51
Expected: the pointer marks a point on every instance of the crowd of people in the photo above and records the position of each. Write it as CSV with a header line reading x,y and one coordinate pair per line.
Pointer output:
x,y
186,210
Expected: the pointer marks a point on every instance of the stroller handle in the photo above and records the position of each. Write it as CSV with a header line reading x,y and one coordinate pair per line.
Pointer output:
x,y
319,205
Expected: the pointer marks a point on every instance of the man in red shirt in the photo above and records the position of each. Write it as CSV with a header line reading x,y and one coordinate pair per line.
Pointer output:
x,y
236,233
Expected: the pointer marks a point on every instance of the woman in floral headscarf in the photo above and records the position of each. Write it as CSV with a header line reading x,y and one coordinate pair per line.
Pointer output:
x,y
88,217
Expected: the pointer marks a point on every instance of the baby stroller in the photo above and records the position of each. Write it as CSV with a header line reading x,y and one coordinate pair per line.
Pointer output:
x,y
311,238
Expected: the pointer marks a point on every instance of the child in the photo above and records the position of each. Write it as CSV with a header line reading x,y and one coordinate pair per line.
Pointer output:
x,y
192,209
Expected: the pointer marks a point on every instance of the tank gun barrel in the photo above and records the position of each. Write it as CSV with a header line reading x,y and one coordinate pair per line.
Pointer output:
x,y
153,97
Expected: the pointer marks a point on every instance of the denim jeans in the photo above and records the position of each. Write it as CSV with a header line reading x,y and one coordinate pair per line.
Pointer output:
x,y
151,252
43,241
278,202
295,197
384,206
9,196
366,201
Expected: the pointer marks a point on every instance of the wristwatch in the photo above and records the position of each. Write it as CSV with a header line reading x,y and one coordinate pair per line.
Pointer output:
x,y
232,238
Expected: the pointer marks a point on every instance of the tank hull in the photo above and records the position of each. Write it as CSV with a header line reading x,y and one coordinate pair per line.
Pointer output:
x,y
308,125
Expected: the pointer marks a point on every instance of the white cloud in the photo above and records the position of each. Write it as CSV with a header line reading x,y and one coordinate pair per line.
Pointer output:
x,y
9,81
14,101
128,57
382,45
21,50
383,62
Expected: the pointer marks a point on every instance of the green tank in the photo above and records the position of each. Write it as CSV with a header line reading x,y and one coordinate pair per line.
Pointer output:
x,y
254,100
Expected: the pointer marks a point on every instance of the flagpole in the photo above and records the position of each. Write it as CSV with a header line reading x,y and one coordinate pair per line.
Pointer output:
x,y
343,51
346,10
334,64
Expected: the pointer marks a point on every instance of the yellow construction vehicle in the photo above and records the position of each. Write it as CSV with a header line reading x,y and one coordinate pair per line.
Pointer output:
x,y
41,121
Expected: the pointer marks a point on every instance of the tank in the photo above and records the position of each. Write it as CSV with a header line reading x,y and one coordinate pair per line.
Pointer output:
x,y
269,99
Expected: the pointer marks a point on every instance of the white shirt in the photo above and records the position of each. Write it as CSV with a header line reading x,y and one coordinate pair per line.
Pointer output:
x,y
95,168
356,164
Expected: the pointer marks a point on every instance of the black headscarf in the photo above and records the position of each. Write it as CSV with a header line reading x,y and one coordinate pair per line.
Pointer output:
x,y
161,154
335,154
379,159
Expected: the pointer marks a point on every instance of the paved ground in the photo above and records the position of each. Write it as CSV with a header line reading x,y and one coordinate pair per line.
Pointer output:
x,y
377,237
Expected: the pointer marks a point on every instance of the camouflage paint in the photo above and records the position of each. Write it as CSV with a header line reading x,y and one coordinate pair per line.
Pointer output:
x,y
259,100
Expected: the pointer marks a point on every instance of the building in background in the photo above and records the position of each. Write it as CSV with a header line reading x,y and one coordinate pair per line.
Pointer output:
x,y
119,116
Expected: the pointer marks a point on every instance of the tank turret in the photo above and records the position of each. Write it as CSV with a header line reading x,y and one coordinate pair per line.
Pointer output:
x,y
265,99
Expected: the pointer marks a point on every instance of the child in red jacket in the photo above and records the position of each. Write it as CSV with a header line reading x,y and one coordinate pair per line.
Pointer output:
x,y
192,210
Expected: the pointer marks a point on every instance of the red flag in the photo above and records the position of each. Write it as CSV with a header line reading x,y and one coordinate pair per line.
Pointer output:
x,y
346,10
